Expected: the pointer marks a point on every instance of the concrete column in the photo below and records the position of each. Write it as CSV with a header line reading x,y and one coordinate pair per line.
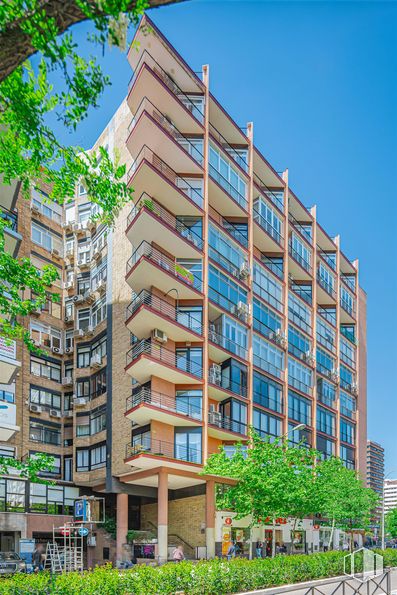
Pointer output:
x,y
210,518
162,516
122,524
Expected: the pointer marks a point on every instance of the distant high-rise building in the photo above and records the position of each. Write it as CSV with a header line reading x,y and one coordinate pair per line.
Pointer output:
x,y
375,471
390,494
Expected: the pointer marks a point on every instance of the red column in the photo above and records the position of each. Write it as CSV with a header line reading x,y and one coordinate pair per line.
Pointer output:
x,y
122,524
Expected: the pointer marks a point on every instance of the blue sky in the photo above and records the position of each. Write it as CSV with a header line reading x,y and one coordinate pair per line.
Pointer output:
x,y
318,79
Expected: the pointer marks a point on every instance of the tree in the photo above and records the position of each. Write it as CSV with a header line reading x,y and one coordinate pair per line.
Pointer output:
x,y
391,523
30,468
342,497
274,480
30,151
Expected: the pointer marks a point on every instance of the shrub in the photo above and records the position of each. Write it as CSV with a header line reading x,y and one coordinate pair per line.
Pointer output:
x,y
214,577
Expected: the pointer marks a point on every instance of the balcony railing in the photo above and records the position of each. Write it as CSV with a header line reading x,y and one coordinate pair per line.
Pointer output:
x,y
163,355
146,396
236,234
349,280
151,205
328,315
146,250
178,181
326,286
350,413
348,307
267,227
226,343
147,106
164,308
148,59
231,151
226,384
300,228
275,268
301,261
299,385
223,261
234,194
326,257
226,304
268,193
348,335
152,446
226,423
266,366
325,399
268,402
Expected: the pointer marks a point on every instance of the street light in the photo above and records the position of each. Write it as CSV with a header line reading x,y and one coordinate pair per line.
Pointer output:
x,y
298,427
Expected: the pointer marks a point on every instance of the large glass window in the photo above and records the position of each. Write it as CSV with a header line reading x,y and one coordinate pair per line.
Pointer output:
x,y
326,421
225,292
190,317
266,425
45,398
265,321
234,377
45,432
190,359
44,238
325,334
45,335
301,253
189,402
324,362
227,177
326,392
347,353
267,287
224,252
299,313
267,356
299,376
188,444
229,334
346,300
325,446
298,343
267,218
267,393
326,279
347,432
299,408
348,405
234,415
347,456
45,368
346,378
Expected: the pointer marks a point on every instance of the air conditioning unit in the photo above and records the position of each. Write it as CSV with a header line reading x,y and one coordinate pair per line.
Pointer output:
x,y
334,375
83,264
67,226
80,401
309,358
35,209
68,413
213,335
159,336
91,225
80,227
70,253
55,413
36,343
78,332
242,311
35,408
215,418
96,255
244,271
67,380
354,388
96,361
215,374
69,349
91,540
56,350
78,299
281,338
101,286
68,319
55,252
89,331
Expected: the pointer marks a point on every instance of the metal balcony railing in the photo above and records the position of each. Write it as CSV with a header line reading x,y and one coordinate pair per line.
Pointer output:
x,y
161,448
328,315
147,106
326,257
180,183
268,402
263,328
226,384
150,204
276,200
267,366
234,194
236,234
300,227
299,385
350,413
218,420
326,341
267,227
325,399
328,288
147,58
231,151
298,258
223,261
215,337
348,335
164,308
349,281
162,354
348,307
147,396
146,250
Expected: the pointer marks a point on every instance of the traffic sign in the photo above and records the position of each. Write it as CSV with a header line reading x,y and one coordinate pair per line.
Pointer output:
x,y
83,531
65,531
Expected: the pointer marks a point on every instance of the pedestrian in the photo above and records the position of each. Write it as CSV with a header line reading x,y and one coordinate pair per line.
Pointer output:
x,y
231,552
258,549
37,558
178,555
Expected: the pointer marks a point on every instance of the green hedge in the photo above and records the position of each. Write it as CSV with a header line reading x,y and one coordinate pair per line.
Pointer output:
x,y
215,577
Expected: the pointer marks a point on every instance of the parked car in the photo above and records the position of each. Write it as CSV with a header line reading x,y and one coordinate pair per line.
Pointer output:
x,y
10,563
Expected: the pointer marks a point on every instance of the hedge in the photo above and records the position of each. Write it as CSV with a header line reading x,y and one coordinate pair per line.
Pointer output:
x,y
214,577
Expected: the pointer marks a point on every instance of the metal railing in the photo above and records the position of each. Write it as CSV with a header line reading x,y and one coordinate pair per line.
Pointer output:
x,y
263,328
347,307
352,586
300,227
323,369
226,384
350,413
153,301
226,423
234,232
299,385
150,204
349,281
148,59
272,266
328,288
147,106
302,291
161,448
304,264
266,366
325,256
146,250
325,341
180,183
227,147
162,354
164,402
215,337
348,335
268,193
234,194
224,262
268,402
267,227
327,315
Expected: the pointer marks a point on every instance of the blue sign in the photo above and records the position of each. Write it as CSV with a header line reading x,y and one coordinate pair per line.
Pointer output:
x,y
80,510
83,531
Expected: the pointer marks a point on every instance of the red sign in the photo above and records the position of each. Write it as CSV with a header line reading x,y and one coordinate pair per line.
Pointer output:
x,y
65,532
316,526
228,521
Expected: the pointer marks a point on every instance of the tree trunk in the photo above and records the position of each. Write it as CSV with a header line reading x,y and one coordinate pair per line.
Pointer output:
x,y
274,539
16,45
331,537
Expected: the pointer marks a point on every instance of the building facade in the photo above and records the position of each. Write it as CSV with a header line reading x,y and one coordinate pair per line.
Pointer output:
x,y
376,471
216,303
390,494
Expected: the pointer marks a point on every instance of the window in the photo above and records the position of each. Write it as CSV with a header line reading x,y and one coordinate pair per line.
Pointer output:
x,y
190,359
265,321
82,190
348,405
44,238
234,415
267,393
303,290
346,378
299,313
324,362
234,377
195,104
325,334
70,213
325,446
328,312
238,231
267,287
83,284
326,279
189,402
56,467
86,352
45,335
346,300
266,425
68,468
227,177
326,422
45,368
299,408
98,456
326,392
49,209
82,459
347,432
191,270
92,387
347,353
188,444
229,334
267,356
267,218
84,213
224,252
224,291
45,398
298,344
83,317
84,252
348,456
193,188
82,425
98,312
45,432
7,394
83,356
190,317
98,274
299,376
301,253
12,495
99,241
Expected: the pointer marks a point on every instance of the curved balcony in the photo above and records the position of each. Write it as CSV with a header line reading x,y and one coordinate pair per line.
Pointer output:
x,y
148,267
180,150
149,220
145,405
148,311
149,173
148,358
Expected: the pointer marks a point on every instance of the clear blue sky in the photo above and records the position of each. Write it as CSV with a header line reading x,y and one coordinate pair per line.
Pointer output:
x,y
319,81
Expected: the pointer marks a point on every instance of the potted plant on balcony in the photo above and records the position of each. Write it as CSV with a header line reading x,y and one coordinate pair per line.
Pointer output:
x,y
147,203
184,273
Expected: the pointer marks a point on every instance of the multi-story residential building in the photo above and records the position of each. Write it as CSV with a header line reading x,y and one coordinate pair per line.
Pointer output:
x,y
376,471
216,303
390,494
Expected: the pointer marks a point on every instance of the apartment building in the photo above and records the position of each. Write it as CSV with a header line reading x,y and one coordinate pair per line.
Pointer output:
x,y
390,494
217,302
376,471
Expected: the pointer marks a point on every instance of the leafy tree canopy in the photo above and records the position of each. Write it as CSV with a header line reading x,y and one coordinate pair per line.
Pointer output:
x,y
391,523
30,468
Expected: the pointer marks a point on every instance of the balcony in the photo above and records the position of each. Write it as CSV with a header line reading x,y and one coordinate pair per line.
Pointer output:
x,y
274,197
146,405
149,220
12,239
270,241
149,173
221,347
152,452
9,365
347,310
299,268
326,292
8,414
227,199
148,358
165,138
8,194
224,428
219,387
148,311
150,79
148,267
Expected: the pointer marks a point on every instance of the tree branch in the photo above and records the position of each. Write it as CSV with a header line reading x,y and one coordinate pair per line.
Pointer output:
x,y
16,45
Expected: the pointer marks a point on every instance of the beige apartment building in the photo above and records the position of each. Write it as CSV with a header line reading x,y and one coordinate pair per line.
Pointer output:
x,y
217,302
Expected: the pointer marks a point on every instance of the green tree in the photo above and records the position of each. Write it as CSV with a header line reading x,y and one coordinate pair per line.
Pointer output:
x,y
273,480
342,497
391,523
30,468
30,150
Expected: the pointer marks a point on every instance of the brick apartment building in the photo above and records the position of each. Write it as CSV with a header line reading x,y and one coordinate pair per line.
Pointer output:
x,y
217,302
